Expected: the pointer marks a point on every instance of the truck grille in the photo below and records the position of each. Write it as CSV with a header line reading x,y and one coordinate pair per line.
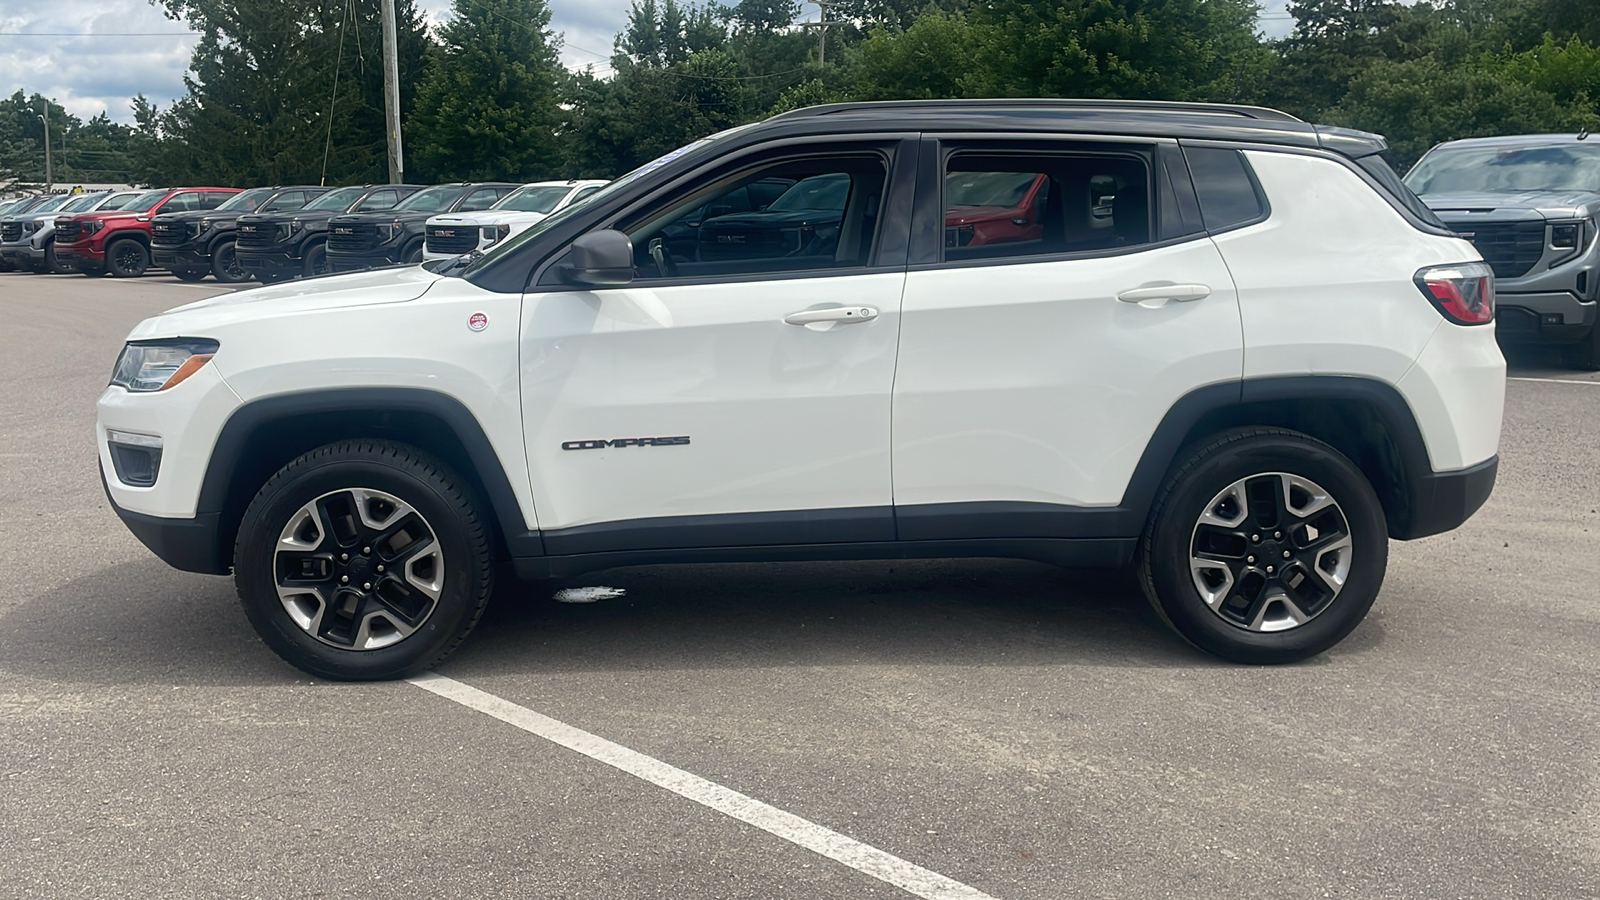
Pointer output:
x,y
169,232
67,231
351,238
11,232
256,234
1511,249
452,238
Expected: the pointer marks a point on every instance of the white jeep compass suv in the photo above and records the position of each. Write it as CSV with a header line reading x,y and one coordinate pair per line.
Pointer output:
x,y
1214,341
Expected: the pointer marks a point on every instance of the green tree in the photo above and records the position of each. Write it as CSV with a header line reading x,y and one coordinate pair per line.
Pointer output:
x,y
489,108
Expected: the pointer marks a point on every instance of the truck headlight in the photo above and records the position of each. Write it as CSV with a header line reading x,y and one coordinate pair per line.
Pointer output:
x,y
495,233
146,366
1566,236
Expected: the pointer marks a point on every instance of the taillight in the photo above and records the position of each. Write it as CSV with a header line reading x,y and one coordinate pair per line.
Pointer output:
x,y
1463,293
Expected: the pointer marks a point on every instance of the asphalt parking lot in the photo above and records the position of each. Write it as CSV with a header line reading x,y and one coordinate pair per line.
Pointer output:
x,y
1022,731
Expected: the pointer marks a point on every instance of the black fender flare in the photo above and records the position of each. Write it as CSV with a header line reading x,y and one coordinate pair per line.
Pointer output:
x,y
249,420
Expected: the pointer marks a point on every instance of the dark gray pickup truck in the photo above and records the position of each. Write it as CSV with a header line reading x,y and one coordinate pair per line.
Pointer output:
x,y
1529,203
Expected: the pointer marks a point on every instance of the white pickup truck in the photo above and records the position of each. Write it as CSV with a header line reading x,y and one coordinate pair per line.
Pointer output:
x,y
452,234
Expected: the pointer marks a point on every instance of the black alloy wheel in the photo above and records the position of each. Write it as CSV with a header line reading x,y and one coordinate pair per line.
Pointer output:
x,y
363,560
1267,546
127,258
225,264
316,260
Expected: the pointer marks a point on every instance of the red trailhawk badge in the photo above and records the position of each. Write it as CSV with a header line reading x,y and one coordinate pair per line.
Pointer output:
x,y
478,321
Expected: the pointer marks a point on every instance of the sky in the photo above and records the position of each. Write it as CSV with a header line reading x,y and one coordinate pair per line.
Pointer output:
x,y
92,56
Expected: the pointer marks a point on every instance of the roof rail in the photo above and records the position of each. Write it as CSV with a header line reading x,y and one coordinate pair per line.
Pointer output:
x,y
1213,109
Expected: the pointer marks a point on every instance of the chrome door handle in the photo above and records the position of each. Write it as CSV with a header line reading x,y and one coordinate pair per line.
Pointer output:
x,y
831,314
1181,293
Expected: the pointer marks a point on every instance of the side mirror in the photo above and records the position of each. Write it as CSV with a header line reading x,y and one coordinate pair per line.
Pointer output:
x,y
601,258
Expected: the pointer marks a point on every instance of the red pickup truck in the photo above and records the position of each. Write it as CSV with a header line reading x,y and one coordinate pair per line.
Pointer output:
x,y
118,241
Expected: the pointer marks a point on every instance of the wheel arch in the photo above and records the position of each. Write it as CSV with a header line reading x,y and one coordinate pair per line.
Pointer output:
x,y
1367,420
264,435
142,237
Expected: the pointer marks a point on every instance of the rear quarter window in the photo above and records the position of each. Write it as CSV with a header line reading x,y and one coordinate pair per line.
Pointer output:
x,y
1228,195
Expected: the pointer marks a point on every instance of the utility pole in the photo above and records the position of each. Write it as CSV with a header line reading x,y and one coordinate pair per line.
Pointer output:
x,y
391,94
821,25
49,171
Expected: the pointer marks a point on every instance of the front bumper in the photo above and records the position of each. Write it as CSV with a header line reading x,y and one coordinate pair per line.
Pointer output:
x,y
193,545
81,257
270,262
180,257
355,262
1549,318
23,254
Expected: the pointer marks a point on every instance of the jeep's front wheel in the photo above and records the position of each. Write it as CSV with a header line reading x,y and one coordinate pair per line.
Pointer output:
x,y
1267,546
363,560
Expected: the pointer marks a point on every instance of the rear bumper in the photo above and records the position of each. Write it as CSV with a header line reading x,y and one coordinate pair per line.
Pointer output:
x,y
1552,318
1442,501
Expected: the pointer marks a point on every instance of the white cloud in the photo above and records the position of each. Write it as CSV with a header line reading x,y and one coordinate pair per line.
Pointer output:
x,y
92,74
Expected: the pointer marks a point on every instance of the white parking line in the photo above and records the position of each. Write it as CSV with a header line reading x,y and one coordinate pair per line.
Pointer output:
x,y
863,858
1549,380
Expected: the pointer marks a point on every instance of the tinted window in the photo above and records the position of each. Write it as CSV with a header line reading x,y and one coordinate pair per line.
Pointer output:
x,y
539,199
1379,169
1025,204
213,199
825,217
1227,195
379,200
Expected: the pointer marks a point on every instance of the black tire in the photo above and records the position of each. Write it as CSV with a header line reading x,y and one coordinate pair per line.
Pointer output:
x,y
316,261
1585,354
1249,459
225,264
127,258
51,264
189,274
7,267
413,254
443,506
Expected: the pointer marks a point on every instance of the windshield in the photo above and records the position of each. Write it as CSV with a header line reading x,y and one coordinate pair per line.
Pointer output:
x,y
144,201
534,198
81,203
1571,167
434,199
53,204
828,192
245,201
986,188
337,200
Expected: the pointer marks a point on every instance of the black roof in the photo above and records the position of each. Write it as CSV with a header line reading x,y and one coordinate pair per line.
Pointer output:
x,y
1152,118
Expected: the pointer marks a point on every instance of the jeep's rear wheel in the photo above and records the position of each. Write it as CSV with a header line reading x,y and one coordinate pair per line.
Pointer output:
x,y
1267,546
363,560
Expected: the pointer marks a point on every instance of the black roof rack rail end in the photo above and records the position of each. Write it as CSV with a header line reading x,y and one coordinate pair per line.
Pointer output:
x,y
1220,109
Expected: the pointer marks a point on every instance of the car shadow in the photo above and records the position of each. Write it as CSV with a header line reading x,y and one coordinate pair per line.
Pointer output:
x,y
142,623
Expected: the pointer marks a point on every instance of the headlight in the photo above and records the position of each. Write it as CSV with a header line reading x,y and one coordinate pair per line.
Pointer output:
x,y
205,224
157,365
1566,236
93,225
295,225
493,233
